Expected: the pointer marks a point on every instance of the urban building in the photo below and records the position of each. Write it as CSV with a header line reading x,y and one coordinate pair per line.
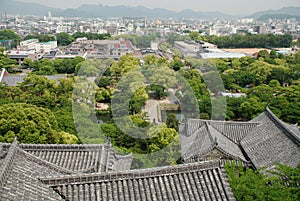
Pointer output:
x,y
221,55
204,50
34,44
99,49
188,49
20,55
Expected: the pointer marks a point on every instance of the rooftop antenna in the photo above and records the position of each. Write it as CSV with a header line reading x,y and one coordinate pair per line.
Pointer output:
x,y
6,21
16,27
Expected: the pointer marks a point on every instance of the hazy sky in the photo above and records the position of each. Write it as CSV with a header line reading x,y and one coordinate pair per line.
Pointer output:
x,y
226,6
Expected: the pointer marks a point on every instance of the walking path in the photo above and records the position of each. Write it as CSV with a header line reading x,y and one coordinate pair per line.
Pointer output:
x,y
152,107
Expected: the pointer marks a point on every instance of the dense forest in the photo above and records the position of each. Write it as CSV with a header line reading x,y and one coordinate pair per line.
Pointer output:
x,y
38,106
246,40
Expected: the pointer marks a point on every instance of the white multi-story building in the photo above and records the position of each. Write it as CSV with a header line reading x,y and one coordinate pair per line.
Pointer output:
x,y
33,44
46,46
29,44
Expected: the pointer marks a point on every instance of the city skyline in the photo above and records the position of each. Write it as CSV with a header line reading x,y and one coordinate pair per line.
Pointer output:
x,y
233,7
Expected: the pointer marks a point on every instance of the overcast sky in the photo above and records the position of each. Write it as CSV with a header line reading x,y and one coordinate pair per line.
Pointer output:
x,y
226,6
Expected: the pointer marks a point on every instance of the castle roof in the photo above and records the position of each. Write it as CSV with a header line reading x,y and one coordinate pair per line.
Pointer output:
x,y
272,141
26,175
262,141
18,176
235,131
194,181
204,140
79,158
22,165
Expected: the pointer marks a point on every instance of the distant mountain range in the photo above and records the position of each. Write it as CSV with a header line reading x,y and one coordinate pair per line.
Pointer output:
x,y
289,11
86,10
22,8
15,7
278,16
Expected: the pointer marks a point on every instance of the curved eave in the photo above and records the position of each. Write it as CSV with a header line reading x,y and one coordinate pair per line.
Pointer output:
x,y
291,134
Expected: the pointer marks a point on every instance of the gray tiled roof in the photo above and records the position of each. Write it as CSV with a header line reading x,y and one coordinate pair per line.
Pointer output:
x,y
226,146
263,141
194,181
79,158
56,77
22,165
198,145
235,131
272,141
19,172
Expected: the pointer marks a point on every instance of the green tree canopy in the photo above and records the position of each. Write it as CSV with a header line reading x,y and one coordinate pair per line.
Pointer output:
x,y
172,121
176,64
7,34
41,37
281,184
64,39
91,36
31,124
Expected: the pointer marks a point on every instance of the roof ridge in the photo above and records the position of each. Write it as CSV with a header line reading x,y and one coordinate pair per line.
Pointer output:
x,y
2,153
217,145
7,161
221,133
117,156
137,173
61,146
220,121
282,125
213,140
